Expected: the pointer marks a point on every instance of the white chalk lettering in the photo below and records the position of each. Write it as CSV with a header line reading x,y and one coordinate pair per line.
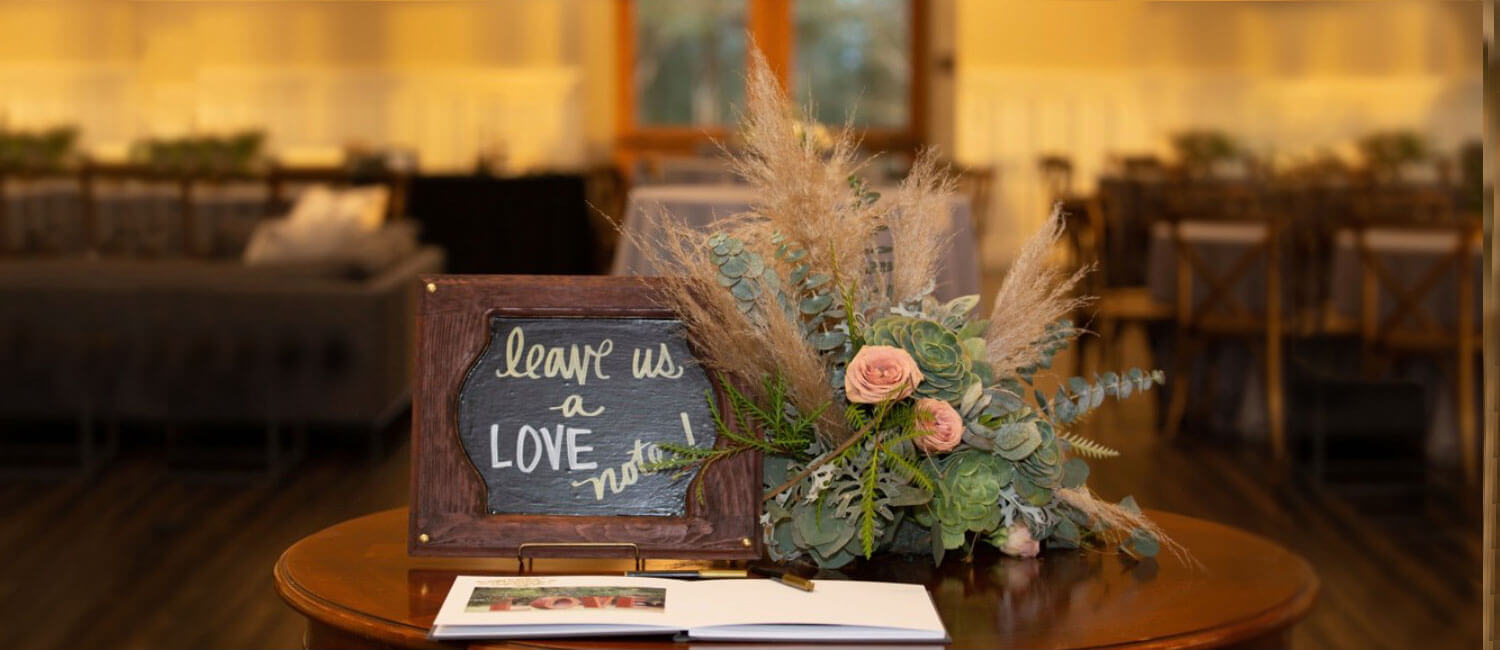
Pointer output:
x,y
687,430
574,449
495,461
573,405
556,443
554,446
630,471
566,362
527,432
641,365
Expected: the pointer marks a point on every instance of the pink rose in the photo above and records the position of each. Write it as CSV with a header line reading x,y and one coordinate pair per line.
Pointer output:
x,y
944,426
1018,542
880,372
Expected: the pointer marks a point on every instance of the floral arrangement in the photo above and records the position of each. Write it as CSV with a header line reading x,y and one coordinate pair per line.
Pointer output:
x,y
888,420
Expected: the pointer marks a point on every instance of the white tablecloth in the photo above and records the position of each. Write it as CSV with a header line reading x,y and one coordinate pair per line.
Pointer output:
x,y
701,205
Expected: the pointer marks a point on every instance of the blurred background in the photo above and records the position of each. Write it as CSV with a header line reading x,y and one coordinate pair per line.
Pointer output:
x,y
213,215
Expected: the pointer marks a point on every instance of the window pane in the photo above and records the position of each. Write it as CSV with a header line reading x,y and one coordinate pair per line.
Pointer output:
x,y
855,55
689,61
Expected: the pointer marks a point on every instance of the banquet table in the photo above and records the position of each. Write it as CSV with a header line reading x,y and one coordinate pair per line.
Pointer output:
x,y
1334,306
701,205
358,588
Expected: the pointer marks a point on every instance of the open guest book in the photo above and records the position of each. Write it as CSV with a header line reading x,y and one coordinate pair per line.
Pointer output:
x,y
708,610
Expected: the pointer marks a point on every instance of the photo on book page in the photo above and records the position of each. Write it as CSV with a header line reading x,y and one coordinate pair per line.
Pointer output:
x,y
539,599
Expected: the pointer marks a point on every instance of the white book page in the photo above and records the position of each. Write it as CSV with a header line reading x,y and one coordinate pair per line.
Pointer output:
x,y
533,605
872,606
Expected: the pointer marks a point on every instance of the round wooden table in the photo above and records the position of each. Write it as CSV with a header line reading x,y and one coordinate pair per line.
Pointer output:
x,y
358,588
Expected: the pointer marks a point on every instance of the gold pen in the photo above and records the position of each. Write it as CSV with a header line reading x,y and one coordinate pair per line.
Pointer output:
x,y
783,576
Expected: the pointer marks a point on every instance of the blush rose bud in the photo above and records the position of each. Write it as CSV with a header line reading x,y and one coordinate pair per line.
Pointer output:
x,y
880,372
1019,542
943,425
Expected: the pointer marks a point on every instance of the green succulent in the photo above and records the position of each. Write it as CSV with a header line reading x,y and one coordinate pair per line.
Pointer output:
x,y
946,361
1042,471
968,496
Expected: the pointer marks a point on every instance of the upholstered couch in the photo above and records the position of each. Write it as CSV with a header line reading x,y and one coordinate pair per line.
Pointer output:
x,y
94,324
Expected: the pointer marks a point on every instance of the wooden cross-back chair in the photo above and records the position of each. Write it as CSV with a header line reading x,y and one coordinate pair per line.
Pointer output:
x,y
1408,321
978,184
1088,234
1222,310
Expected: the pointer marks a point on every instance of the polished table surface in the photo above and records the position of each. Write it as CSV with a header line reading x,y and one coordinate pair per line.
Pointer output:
x,y
358,588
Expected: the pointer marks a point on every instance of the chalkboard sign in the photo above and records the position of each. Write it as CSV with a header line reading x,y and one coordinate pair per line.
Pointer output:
x,y
564,415
537,402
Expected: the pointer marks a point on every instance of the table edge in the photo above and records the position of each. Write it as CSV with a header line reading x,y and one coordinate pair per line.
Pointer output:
x,y
316,608
1278,617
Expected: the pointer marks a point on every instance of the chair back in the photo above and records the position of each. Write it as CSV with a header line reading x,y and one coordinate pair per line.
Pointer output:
x,y
42,214
1418,285
978,184
1228,275
1057,176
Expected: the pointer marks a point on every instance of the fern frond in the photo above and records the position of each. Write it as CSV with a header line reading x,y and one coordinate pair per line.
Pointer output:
x,y
868,485
908,469
1087,448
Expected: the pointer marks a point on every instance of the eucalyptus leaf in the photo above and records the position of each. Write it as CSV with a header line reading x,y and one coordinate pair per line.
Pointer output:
x,y
1142,543
1065,534
816,304
754,265
907,495
962,305
745,290
1078,385
1032,493
832,547
1016,440
1074,473
813,531
733,267
824,341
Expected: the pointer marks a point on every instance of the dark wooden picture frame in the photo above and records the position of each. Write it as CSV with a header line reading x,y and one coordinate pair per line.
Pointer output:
x,y
448,503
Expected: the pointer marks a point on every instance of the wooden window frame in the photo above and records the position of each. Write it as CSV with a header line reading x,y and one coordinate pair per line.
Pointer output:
x,y
771,26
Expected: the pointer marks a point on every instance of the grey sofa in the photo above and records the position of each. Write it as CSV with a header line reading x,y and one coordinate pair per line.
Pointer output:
x,y
109,333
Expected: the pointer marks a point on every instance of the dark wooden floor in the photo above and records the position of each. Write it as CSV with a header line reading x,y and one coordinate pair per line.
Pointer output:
x,y
141,556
